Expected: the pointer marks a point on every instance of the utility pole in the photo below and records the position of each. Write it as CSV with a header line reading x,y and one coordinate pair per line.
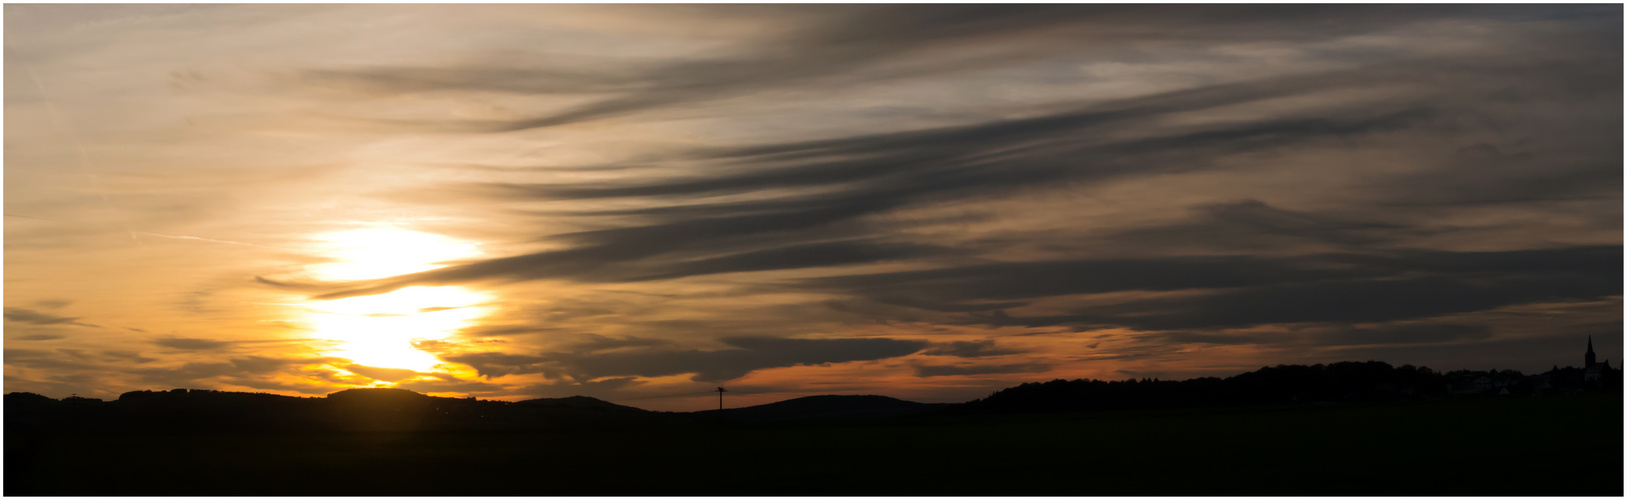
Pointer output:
x,y
720,392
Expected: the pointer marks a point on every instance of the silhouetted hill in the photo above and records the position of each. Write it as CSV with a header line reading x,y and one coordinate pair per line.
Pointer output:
x,y
579,402
207,443
828,408
347,410
183,410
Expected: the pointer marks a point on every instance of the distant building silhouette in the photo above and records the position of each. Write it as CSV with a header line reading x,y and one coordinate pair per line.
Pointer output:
x,y
1593,373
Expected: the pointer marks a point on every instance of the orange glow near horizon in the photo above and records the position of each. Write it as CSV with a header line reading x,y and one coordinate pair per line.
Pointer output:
x,y
378,330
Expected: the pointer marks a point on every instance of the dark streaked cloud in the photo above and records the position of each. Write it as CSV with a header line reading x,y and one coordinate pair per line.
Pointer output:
x,y
1405,334
21,315
1482,174
131,356
1253,226
783,194
746,354
1258,290
1363,301
497,364
39,336
1416,333
887,172
953,370
187,344
589,342
852,45
969,349
265,364
883,173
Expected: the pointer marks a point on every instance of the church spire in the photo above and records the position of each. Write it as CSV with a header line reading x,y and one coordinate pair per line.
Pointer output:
x,y
1590,358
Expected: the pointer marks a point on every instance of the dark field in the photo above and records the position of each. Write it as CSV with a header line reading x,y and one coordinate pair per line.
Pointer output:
x,y
1540,446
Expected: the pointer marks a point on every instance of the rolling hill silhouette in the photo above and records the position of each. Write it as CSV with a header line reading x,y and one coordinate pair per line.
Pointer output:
x,y
348,410
828,407
578,402
383,409
1340,429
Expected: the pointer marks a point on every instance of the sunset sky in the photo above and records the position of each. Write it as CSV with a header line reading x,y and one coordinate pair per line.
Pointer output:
x,y
641,203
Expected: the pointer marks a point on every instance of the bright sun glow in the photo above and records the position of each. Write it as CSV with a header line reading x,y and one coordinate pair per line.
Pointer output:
x,y
376,253
379,330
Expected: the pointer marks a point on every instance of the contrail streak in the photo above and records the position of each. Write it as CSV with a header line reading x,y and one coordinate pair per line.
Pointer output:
x,y
211,240
160,235
84,159
33,217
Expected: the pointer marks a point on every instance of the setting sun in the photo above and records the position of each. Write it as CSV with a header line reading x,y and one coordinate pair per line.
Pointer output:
x,y
376,253
379,330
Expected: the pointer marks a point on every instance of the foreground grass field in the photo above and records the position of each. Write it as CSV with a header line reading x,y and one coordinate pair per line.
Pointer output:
x,y
1562,445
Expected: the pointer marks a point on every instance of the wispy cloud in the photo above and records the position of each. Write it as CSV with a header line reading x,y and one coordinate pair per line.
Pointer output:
x,y
927,198
28,316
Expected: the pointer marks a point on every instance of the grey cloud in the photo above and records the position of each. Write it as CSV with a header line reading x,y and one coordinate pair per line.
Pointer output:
x,y
75,353
497,364
39,336
131,356
1482,175
498,331
880,173
593,342
853,44
801,256
186,344
106,356
1252,225
1027,280
46,360
905,158
1419,333
969,349
263,364
1356,301
1405,334
251,371
952,370
1515,101
1071,145
748,354
1225,338
53,304
1263,290
787,221
20,315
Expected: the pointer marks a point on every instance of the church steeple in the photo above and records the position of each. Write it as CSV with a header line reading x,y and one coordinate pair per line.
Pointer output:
x,y
1590,358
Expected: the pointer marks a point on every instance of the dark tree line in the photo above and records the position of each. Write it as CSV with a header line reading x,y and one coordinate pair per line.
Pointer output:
x,y
1369,381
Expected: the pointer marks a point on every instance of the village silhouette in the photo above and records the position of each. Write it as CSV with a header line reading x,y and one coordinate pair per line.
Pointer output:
x,y
1017,441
